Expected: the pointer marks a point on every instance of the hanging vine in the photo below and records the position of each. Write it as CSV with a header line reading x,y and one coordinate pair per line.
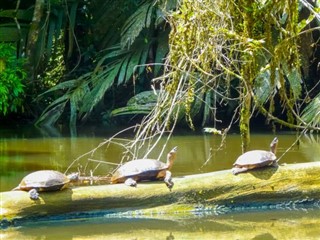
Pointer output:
x,y
253,45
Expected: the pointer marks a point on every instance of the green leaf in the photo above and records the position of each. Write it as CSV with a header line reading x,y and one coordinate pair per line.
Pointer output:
x,y
161,51
103,82
262,87
311,113
133,62
294,78
138,109
115,53
123,70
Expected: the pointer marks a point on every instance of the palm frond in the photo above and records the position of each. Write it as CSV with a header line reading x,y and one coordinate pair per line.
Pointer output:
x,y
108,18
102,82
75,92
117,63
139,20
70,84
161,51
112,52
141,103
123,70
53,112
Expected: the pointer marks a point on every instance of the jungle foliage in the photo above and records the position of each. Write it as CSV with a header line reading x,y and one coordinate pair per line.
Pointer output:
x,y
225,61
12,76
253,48
128,36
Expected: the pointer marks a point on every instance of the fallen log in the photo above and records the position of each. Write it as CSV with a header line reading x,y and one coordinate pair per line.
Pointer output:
x,y
216,192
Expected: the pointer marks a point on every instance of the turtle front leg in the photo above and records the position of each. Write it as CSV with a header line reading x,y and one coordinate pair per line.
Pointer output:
x,y
275,164
130,182
168,180
33,193
237,170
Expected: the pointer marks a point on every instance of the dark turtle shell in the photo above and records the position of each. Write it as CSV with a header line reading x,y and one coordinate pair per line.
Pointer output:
x,y
44,180
139,170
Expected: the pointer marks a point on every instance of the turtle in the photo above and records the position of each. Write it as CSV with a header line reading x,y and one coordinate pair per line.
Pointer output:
x,y
145,170
44,181
256,159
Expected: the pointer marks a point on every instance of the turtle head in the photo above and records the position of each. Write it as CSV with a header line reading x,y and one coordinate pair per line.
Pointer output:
x,y
73,177
171,157
273,145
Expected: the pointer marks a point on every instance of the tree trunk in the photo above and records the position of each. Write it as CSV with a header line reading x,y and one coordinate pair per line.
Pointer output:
x,y
245,120
216,192
34,33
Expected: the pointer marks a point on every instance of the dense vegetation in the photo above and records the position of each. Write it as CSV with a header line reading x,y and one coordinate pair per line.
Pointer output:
x,y
205,63
259,54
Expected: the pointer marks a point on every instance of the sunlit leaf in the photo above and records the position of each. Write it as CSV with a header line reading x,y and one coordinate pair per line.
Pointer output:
x,y
294,78
263,88
311,113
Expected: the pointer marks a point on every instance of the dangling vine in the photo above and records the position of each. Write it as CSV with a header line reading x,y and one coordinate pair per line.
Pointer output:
x,y
253,45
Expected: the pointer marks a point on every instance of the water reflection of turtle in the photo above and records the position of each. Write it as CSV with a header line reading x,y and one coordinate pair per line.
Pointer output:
x,y
256,159
145,169
43,181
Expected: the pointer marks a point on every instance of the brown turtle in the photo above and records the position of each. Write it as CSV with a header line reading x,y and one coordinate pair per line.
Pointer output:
x,y
145,170
43,181
256,159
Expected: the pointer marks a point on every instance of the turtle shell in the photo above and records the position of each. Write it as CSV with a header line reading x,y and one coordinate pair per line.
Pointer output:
x,y
44,180
139,170
255,158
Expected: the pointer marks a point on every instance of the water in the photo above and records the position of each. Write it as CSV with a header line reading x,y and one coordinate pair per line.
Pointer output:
x,y
27,150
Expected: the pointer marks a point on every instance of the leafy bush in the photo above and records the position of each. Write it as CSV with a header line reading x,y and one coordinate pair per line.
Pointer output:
x,y
11,78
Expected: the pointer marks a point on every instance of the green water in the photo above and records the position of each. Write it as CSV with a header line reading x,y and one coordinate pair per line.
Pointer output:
x,y
27,150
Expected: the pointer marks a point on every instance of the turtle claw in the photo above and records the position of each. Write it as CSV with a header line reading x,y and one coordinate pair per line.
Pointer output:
x,y
170,185
34,195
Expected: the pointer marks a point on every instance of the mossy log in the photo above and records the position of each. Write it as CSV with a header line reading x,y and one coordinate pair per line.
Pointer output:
x,y
285,186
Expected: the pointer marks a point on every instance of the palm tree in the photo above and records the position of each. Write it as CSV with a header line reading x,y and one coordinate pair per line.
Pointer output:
x,y
125,47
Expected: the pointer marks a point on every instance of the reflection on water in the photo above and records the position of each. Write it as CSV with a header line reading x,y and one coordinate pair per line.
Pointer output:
x,y
310,147
198,153
257,225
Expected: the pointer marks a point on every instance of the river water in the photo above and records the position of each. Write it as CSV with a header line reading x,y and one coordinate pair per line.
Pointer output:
x,y
28,149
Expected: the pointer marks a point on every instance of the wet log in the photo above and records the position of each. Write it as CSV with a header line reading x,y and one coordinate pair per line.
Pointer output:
x,y
217,192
